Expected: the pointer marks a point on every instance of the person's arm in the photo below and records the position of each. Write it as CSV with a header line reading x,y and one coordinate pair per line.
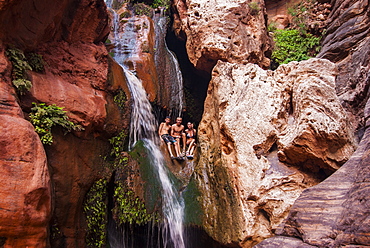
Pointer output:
x,y
160,129
172,130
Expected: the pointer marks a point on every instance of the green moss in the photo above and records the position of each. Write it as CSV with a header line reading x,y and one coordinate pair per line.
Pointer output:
x,y
152,185
193,209
44,117
124,15
254,8
95,208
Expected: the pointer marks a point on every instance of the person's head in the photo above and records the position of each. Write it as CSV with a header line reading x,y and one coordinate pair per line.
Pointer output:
x,y
190,125
167,119
178,120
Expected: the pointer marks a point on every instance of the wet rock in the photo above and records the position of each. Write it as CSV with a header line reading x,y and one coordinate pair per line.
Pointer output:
x,y
265,137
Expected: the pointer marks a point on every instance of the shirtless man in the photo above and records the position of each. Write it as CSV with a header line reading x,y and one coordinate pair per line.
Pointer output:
x,y
164,133
177,131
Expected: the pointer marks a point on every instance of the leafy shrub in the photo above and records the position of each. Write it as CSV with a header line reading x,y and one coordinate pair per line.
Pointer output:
x,y
130,209
292,45
44,117
21,63
161,3
20,66
118,143
35,61
142,9
95,208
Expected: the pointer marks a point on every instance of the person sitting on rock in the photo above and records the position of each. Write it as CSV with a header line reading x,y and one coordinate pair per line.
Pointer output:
x,y
177,131
190,139
164,133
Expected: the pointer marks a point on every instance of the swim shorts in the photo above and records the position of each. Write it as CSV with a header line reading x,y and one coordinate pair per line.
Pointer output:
x,y
168,138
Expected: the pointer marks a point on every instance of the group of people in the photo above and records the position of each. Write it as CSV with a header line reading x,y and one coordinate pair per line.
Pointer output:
x,y
174,134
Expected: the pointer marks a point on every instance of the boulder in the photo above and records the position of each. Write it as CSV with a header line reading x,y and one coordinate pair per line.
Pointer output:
x,y
25,192
265,136
233,31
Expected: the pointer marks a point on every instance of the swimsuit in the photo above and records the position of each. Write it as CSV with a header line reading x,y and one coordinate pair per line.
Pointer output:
x,y
190,137
168,138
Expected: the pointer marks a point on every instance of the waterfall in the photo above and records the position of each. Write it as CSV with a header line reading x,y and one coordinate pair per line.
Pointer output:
x,y
168,68
143,127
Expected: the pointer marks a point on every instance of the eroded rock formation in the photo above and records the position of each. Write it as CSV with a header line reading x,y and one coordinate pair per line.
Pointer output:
x,y
264,137
233,31
25,201
334,213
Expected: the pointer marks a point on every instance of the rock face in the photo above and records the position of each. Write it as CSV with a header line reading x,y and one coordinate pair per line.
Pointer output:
x,y
69,35
25,194
349,49
264,137
233,31
333,213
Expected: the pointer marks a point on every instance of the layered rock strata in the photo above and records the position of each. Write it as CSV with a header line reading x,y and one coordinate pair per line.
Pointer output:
x,y
346,43
264,137
233,31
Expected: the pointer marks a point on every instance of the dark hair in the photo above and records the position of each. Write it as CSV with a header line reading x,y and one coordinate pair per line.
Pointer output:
x,y
167,117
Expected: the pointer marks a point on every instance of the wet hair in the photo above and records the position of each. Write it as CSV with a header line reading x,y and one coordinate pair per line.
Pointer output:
x,y
167,117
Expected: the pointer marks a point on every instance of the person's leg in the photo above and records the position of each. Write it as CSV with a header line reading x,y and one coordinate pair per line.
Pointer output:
x,y
183,143
191,152
177,147
190,144
169,149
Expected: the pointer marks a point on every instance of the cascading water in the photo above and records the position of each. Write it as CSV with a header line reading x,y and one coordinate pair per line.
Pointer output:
x,y
143,127
168,68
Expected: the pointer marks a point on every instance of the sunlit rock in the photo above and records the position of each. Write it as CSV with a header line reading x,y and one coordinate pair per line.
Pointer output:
x,y
232,31
265,136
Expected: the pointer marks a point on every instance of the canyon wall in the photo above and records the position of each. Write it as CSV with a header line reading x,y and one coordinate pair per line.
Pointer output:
x,y
261,146
44,188
334,213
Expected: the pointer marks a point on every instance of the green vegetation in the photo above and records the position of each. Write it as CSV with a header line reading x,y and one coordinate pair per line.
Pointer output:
x,y
120,99
20,66
292,45
130,209
254,8
116,156
161,3
141,9
21,63
35,61
95,208
44,117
